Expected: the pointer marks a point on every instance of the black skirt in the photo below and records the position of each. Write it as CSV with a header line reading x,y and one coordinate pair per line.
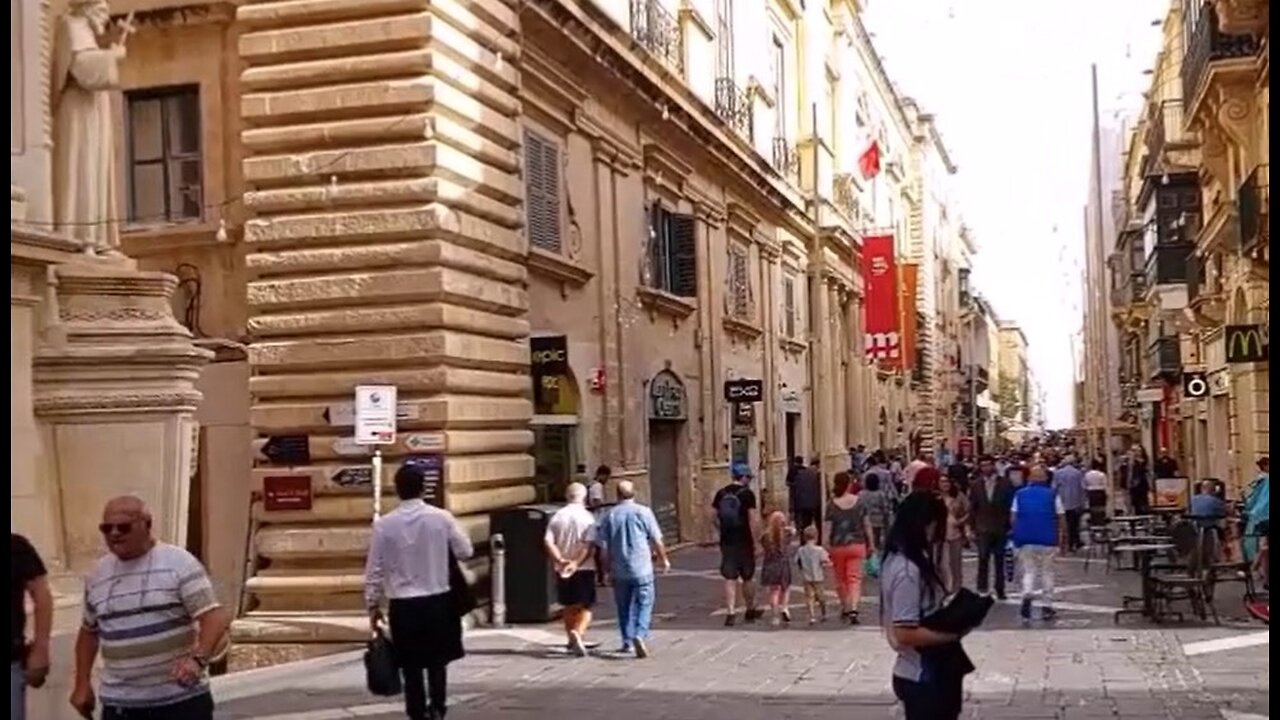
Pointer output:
x,y
426,631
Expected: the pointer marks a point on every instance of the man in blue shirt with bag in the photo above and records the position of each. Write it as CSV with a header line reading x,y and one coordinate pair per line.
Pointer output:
x,y
1037,535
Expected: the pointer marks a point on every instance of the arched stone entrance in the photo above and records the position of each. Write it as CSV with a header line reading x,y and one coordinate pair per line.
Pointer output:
x,y
668,412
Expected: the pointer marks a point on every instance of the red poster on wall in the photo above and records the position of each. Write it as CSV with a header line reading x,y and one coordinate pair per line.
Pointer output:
x,y
880,288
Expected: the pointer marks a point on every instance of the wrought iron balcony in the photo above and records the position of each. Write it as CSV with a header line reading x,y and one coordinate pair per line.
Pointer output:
x,y
1167,264
1253,203
1208,44
658,32
733,105
1165,133
786,159
1164,357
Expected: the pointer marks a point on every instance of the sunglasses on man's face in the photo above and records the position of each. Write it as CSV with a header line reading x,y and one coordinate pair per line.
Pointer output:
x,y
115,528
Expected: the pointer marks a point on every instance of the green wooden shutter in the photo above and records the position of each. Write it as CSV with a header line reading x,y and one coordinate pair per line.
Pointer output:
x,y
684,256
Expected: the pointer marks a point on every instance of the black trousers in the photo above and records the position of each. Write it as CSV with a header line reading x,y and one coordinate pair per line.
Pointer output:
x,y
417,688
942,699
199,707
804,517
991,547
1073,529
427,635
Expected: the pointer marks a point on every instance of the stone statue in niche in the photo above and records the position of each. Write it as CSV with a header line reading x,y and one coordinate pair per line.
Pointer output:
x,y
87,51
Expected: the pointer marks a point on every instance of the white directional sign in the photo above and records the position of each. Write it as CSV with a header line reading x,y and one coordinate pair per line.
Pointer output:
x,y
375,414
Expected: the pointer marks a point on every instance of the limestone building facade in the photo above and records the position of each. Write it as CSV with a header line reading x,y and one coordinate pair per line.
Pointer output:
x,y
1192,253
569,233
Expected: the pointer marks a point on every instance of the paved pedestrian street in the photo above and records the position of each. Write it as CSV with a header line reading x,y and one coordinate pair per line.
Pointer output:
x,y
1083,667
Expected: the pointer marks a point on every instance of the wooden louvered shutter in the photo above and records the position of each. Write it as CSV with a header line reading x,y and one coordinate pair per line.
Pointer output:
x,y
542,191
684,256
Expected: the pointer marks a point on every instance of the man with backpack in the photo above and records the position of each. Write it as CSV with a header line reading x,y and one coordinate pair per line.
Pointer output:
x,y
734,513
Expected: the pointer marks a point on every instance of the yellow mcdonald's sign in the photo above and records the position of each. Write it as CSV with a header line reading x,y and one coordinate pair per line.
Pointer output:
x,y
1245,344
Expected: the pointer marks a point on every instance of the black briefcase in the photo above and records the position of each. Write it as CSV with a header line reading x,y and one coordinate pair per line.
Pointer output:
x,y
382,675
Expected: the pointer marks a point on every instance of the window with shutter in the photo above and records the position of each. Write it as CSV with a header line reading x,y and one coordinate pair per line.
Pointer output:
x,y
789,311
673,256
684,256
542,191
739,283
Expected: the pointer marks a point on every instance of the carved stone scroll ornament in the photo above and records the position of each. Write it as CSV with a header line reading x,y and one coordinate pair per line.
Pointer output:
x,y
87,50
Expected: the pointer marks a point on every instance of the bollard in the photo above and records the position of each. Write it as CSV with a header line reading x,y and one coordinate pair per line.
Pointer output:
x,y
498,581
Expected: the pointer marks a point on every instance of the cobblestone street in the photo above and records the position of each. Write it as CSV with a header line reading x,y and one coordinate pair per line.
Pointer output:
x,y
1084,667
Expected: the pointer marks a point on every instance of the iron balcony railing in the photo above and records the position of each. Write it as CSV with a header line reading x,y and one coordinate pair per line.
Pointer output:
x,y
658,32
786,159
1167,264
733,105
1207,44
1165,356
1253,202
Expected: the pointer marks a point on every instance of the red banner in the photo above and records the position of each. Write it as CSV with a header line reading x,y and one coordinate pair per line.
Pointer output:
x,y
880,293
910,280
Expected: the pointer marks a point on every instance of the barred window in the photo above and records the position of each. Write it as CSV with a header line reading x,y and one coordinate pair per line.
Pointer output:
x,y
739,276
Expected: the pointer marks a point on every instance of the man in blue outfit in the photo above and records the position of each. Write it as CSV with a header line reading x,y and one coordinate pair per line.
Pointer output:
x,y
631,538
1037,534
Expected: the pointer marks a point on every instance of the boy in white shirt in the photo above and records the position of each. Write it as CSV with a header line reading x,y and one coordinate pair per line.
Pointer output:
x,y
812,559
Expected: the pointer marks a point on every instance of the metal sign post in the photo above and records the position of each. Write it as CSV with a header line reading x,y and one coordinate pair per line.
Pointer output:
x,y
376,425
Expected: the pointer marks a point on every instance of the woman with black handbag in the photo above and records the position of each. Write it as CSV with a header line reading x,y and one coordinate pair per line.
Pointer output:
x,y
413,564
929,672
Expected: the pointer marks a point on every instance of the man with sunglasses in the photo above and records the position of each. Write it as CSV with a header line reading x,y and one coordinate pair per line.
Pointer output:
x,y
152,612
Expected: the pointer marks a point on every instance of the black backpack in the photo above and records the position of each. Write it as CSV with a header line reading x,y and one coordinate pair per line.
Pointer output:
x,y
729,510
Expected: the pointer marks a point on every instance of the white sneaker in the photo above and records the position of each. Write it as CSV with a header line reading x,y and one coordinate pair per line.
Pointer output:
x,y
576,646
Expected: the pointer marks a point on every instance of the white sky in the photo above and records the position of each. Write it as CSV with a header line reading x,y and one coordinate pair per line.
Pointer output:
x,y
1009,81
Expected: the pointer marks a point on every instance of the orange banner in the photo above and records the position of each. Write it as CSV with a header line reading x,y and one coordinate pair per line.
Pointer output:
x,y
910,279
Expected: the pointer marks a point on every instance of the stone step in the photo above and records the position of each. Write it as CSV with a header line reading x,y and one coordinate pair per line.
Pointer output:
x,y
301,627
327,540
264,584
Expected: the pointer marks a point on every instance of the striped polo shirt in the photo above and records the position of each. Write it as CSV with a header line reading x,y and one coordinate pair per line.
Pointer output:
x,y
143,612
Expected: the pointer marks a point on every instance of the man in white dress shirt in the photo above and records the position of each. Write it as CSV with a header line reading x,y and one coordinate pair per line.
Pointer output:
x,y
570,543
410,556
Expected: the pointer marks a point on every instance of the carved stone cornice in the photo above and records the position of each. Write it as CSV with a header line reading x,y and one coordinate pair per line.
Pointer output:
x,y
742,220
117,348
551,91
664,169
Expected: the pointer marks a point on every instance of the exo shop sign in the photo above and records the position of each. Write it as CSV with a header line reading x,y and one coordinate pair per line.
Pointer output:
x,y
667,397
744,391
1246,344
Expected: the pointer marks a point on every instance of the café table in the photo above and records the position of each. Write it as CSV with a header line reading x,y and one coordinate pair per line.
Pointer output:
x,y
1143,552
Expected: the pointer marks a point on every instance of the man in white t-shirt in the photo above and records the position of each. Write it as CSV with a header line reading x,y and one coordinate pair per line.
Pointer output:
x,y
570,542
1095,487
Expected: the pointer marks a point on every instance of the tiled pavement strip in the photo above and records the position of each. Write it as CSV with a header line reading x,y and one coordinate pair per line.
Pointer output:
x,y
1082,668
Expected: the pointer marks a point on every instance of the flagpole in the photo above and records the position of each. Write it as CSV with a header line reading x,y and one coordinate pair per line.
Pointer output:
x,y
1104,346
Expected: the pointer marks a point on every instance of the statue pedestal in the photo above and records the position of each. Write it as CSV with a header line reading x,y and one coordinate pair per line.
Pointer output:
x,y
115,399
